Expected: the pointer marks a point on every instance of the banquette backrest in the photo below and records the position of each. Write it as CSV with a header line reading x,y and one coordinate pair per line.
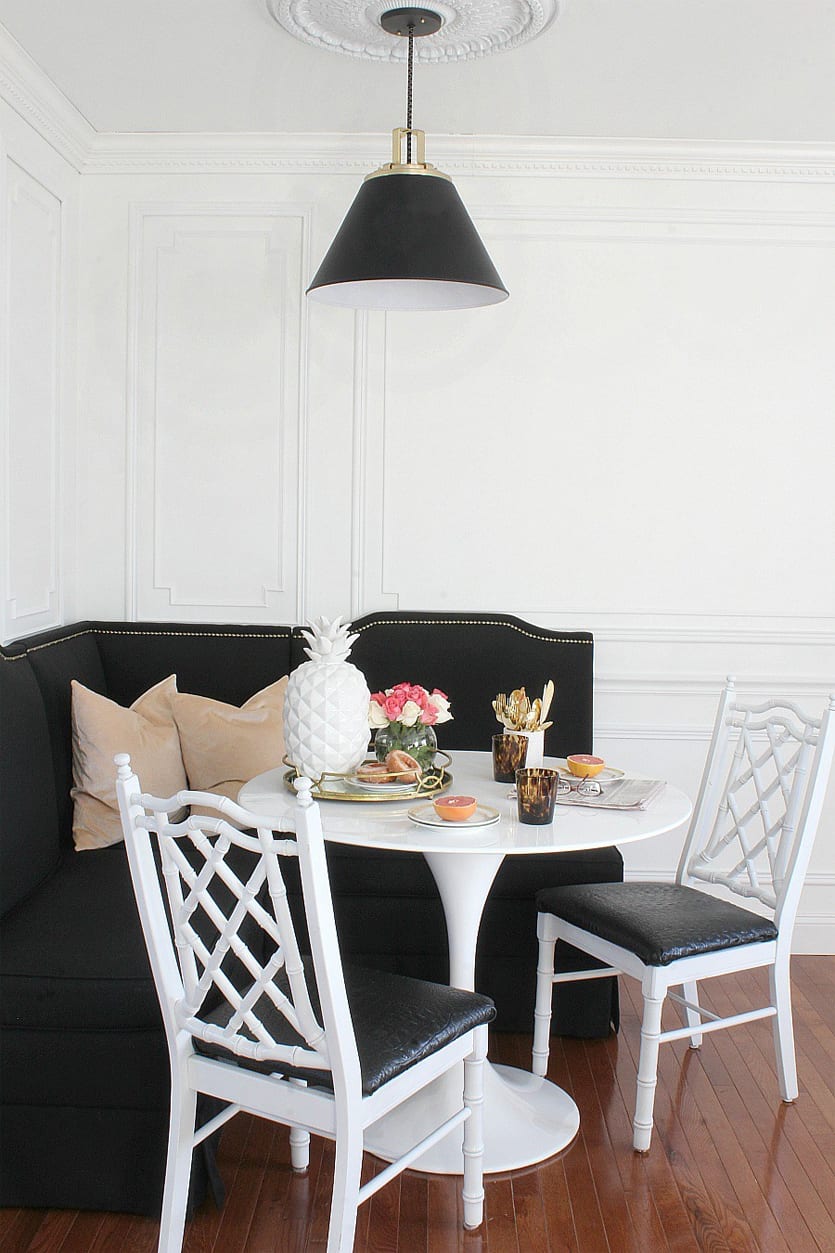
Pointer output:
x,y
474,656
469,656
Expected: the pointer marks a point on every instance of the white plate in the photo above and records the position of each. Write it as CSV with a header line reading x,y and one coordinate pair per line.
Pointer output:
x,y
393,787
606,775
428,816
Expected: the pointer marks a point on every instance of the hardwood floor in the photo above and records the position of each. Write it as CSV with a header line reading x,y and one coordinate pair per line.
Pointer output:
x,y
730,1168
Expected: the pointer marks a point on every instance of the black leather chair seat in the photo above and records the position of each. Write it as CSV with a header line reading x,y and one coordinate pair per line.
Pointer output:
x,y
397,1022
658,922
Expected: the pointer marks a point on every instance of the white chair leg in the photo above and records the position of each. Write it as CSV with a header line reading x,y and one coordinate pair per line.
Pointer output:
x,y
544,996
781,996
299,1149
346,1186
177,1167
299,1141
690,992
473,1190
654,995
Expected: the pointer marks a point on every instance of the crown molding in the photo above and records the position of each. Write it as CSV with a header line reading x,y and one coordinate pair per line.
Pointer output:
x,y
28,90
487,155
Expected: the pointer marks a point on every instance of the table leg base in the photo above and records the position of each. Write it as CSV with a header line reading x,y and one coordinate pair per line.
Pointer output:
x,y
526,1119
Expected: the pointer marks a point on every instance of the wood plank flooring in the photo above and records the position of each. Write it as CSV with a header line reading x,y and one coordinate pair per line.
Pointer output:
x,y
730,1168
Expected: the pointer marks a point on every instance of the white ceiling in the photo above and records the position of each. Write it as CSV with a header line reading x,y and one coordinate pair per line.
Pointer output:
x,y
667,69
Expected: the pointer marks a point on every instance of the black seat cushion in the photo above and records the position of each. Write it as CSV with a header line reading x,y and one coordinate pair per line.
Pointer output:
x,y
658,922
73,956
398,1021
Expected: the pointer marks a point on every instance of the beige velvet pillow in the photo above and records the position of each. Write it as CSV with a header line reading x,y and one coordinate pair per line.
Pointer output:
x,y
224,746
101,728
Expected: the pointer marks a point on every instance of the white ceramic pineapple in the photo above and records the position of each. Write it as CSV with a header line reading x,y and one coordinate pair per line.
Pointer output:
x,y
326,705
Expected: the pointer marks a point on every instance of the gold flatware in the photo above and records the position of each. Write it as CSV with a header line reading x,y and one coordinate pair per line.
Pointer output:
x,y
517,712
532,721
500,709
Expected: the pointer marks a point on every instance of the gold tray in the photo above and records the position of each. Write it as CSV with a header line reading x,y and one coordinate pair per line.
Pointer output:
x,y
347,787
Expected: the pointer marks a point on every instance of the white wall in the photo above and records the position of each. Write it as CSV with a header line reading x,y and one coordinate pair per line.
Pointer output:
x,y
639,442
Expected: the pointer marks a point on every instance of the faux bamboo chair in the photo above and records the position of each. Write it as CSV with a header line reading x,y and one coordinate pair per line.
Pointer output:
x,y
291,1038
752,832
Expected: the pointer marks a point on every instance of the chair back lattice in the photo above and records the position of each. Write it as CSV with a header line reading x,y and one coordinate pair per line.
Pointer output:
x,y
234,934
760,799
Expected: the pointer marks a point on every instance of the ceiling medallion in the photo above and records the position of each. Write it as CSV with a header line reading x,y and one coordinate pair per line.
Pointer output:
x,y
469,28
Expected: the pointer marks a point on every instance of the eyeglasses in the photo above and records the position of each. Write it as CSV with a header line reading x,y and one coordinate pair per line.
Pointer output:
x,y
586,787
589,787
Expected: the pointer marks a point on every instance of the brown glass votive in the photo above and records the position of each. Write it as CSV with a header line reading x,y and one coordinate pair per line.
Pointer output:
x,y
536,795
509,753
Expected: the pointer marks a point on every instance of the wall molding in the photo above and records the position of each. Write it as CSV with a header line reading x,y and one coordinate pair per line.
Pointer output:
x,y
484,155
680,731
359,459
28,90
295,437
536,222
45,606
690,627
681,684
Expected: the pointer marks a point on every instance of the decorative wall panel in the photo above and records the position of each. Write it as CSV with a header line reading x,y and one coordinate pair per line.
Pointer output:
x,y
217,427
31,353
638,411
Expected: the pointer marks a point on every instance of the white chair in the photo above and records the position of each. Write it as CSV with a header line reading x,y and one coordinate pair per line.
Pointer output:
x,y
752,831
251,1022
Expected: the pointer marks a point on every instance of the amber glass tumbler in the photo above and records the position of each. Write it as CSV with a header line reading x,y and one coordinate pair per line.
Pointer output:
x,y
536,795
509,754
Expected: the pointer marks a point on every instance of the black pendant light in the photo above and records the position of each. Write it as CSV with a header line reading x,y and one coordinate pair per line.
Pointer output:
x,y
407,242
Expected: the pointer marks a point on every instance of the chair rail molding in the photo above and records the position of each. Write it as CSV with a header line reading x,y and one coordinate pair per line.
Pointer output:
x,y
279,590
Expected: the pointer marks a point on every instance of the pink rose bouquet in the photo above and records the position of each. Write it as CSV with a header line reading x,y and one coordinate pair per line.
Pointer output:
x,y
408,704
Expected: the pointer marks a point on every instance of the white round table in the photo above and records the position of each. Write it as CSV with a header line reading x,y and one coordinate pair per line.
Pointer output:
x,y
526,1118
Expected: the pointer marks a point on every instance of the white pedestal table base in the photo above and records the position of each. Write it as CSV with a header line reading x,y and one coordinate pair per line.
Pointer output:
x,y
526,1119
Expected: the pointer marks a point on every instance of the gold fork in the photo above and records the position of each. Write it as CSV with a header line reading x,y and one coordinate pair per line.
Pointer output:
x,y
500,709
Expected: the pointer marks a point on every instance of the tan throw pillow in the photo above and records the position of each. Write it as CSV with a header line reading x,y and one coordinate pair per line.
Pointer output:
x,y
224,746
101,728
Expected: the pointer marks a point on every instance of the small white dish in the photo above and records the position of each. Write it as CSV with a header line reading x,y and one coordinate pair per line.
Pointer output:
x,y
393,787
427,816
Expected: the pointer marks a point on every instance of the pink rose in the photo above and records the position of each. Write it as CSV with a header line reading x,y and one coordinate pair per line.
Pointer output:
x,y
394,706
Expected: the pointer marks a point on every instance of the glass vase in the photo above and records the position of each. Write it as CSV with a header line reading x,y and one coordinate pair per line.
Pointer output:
x,y
418,741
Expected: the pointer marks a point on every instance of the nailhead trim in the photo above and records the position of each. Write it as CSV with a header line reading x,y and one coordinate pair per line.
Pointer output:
x,y
510,626
240,635
219,635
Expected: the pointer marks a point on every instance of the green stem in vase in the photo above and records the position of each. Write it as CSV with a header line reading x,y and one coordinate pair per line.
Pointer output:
x,y
419,741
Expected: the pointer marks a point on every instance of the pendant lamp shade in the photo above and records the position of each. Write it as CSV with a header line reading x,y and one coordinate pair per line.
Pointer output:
x,y
407,242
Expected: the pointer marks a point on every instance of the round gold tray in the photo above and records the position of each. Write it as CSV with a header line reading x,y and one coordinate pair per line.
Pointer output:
x,y
347,787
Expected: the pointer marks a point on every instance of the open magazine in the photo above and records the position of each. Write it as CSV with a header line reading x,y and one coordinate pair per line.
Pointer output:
x,y
619,794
